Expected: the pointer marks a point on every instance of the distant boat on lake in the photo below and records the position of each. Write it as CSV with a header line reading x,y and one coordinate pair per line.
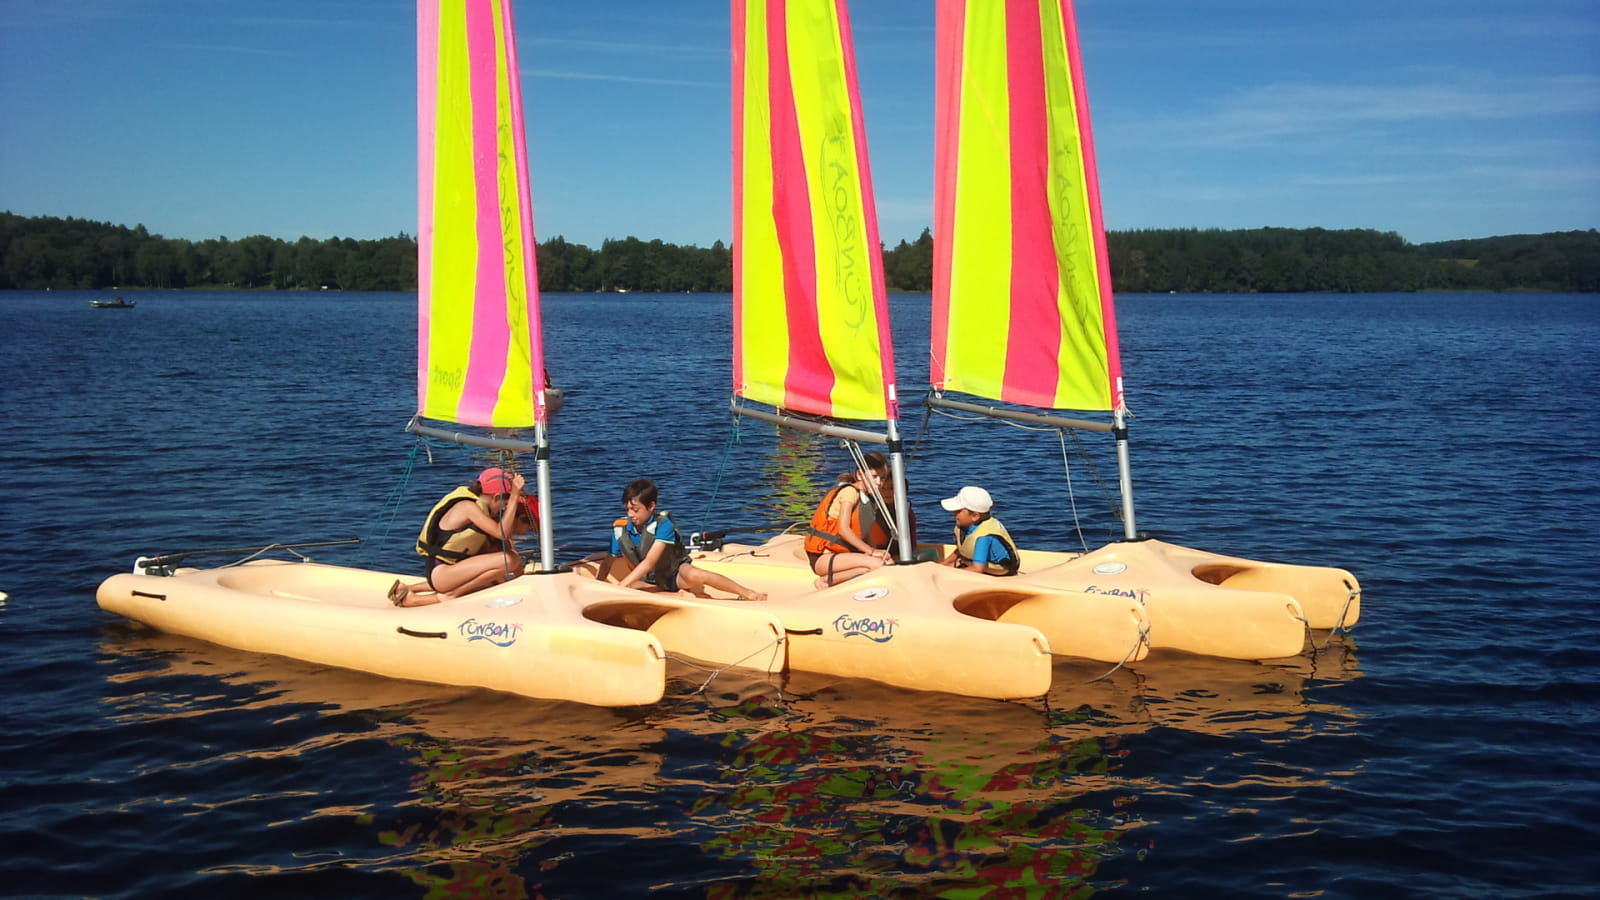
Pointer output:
x,y
118,303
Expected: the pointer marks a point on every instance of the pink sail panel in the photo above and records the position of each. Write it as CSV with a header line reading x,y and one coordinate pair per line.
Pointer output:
x,y
480,355
811,320
1023,309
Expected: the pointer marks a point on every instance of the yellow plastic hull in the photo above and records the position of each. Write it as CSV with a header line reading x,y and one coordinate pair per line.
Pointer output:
x,y
927,626
554,636
1090,606
1206,603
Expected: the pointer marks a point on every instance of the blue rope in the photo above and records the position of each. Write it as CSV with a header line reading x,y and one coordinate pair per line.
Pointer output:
x,y
727,452
378,536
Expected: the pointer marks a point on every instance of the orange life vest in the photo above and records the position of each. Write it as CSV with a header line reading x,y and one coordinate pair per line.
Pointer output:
x,y
823,535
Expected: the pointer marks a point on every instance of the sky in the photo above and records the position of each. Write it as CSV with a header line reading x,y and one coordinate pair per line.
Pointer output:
x,y
1434,119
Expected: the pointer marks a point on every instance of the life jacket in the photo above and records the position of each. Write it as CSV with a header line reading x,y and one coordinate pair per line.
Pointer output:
x,y
823,535
453,546
671,558
874,530
965,546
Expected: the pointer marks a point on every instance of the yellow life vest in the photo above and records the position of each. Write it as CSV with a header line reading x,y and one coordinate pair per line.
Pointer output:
x,y
990,526
453,546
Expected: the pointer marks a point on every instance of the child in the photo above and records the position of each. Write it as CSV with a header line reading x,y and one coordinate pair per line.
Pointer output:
x,y
982,543
834,544
649,543
467,539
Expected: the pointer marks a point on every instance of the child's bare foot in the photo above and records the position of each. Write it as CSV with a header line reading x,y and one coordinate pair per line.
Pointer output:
x,y
753,596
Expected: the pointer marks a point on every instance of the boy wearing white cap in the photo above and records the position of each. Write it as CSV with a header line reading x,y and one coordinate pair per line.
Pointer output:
x,y
982,543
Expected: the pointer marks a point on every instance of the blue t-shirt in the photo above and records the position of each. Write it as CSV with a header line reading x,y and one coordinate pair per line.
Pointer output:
x,y
988,549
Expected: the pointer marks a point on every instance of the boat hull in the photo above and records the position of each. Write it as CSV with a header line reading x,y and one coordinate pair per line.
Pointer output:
x,y
556,636
927,626
1203,602
1084,605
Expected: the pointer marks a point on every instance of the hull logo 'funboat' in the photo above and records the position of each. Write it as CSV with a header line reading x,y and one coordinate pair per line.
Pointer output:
x,y
873,629
501,634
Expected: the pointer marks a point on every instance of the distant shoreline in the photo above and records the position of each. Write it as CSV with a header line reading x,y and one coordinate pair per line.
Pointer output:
x,y
45,252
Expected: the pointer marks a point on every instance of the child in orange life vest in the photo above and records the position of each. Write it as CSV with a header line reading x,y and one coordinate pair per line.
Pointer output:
x,y
982,543
468,540
834,543
649,543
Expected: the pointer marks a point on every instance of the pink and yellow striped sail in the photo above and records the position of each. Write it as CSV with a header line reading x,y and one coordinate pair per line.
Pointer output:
x,y
811,320
1022,307
480,356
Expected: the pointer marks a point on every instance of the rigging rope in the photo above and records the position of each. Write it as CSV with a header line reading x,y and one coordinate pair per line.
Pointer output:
x,y
384,523
860,460
1143,638
777,644
727,452
1106,493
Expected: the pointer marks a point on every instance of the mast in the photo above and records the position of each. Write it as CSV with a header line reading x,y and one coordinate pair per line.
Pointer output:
x,y
480,345
1017,217
811,315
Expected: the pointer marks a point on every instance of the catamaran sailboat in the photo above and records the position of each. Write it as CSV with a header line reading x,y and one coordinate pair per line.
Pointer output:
x,y
1023,314
551,633
812,353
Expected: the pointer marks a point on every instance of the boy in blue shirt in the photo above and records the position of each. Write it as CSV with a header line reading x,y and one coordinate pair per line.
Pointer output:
x,y
982,543
648,542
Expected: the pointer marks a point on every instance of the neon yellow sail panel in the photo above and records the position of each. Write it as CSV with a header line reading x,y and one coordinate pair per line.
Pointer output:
x,y
480,357
811,321
1022,290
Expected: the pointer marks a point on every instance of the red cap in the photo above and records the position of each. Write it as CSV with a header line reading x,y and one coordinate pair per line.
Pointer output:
x,y
495,481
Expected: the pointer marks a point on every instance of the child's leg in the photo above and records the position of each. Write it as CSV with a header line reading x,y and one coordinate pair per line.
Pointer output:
x,y
696,579
838,567
473,574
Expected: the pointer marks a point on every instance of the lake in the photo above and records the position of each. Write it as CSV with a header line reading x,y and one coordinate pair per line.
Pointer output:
x,y
1443,447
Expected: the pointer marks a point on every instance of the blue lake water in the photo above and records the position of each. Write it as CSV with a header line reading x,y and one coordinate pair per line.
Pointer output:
x,y
1445,448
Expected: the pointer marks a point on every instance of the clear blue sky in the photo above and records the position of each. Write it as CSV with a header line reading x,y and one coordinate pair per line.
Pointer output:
x,y
1436,119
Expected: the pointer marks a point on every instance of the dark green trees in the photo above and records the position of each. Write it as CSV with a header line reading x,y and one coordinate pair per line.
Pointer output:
x,y
43,252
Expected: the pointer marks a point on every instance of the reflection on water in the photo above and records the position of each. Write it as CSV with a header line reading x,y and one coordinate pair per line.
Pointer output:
x,y
1203,694
493,779
790,475
853,791
803,785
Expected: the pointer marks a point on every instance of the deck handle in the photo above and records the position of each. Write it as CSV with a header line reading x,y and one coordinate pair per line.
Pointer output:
x,y
422,634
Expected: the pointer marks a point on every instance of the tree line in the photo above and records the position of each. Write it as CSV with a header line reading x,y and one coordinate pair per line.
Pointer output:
x,y
48,252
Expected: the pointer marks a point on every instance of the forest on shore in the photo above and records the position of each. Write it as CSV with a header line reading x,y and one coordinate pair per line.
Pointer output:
x,y
66,253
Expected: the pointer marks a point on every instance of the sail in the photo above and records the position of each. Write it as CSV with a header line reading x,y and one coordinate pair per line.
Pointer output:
x,y
811,325
480,357
1022,308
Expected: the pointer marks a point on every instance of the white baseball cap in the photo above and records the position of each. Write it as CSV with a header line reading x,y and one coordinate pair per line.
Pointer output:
x,y
974,498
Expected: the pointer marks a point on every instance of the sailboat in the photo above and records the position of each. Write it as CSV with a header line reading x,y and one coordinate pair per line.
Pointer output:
x,y
480,382
1023,314
812,353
